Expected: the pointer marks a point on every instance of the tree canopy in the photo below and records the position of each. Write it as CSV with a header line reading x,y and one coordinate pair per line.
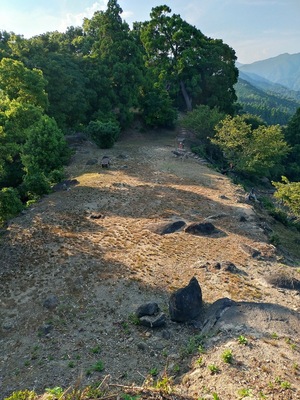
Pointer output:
x,y
256,151
187,62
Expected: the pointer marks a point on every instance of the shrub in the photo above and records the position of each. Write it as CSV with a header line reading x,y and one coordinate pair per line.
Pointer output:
x,y
104,133
289,193
10,203
227,356
22,395
35,185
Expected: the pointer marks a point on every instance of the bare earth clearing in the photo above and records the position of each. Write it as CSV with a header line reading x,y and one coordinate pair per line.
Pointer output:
x,y
94,272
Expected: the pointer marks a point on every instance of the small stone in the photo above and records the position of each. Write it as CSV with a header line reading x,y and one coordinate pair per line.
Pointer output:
x,y
147,309
166,334
141,346
51,302
45,329
155,321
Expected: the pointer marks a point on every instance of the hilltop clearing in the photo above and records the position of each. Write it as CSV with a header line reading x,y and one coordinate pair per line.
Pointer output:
x,y
77,264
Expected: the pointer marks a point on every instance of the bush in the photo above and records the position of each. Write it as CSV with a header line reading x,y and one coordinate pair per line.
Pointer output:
x,y
35,185
289,193
57,175
158,110
104,133
10,204
45,148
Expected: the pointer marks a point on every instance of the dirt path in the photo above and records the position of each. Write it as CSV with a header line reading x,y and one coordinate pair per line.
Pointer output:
x,y
75,267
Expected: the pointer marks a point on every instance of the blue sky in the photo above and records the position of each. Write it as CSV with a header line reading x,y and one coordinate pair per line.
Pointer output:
x,y
255,29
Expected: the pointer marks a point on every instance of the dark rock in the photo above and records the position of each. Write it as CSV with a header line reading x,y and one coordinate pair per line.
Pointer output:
x,y
283,281
141,346
230,267
147,309
217,266
254,253
185,304
173,227
166,334
105,162
96,216
51,302
45,329
154,321
243,218
203,229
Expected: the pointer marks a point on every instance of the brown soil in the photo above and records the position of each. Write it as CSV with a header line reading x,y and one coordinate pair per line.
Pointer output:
x,y
99,270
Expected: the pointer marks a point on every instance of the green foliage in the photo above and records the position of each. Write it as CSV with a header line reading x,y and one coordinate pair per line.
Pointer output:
x,y
202,122
242,340
22,84
227,356
292,136
10,204
157,106
214,369
194,68
99,366
103,133
194,343
153,371
45,148
55,176
134,319
273,107
22,395
128,397
244,393
57,391
35,185
252,151
96,349
289,193
165,384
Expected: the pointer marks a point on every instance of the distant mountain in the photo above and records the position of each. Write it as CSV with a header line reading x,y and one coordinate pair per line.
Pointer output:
x,y
270,87
274,103
283,69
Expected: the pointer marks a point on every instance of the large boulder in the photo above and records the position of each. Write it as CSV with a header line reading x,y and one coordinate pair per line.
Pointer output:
x,y
185,304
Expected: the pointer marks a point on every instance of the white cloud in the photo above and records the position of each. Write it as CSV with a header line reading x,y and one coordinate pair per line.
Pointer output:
x,y
76,19
36,21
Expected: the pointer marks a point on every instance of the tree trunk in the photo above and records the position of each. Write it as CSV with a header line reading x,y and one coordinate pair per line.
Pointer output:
x,y
187,99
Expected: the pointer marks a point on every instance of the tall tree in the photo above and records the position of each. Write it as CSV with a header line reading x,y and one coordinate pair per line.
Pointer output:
x,y
116,50
258,152
202,70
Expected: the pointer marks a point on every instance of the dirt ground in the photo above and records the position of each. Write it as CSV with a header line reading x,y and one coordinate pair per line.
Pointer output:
x,y
76,265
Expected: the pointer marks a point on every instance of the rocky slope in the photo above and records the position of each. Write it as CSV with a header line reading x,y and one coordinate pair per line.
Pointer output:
x,y
76,265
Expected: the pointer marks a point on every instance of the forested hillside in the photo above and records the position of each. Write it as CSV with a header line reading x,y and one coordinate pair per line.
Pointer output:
x,y
275,104
97,78
283,69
